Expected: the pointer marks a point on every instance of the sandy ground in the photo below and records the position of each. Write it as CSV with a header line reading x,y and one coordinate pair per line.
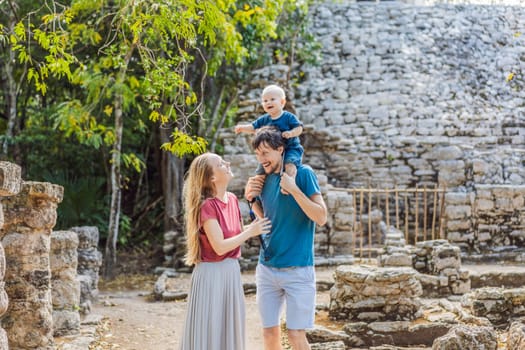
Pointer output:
x,y
133,321
138,323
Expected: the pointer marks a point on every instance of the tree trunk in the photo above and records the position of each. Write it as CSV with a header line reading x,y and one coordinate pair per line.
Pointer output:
x,y
110,259
172,173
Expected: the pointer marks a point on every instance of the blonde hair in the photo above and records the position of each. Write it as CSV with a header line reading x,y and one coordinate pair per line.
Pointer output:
x,y
197,187
274,88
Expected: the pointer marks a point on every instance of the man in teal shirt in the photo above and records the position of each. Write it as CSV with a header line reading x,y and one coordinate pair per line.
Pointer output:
x,y
285,273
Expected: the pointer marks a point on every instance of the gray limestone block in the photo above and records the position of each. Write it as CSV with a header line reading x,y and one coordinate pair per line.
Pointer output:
x,y
89,259
66,322
64,240
334,345
10,179
65,293
88,236
467,337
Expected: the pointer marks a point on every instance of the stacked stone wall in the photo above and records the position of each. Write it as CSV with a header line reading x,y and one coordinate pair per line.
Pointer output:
x,y
500,306
439,263
29,217
369,294
409,95
39,286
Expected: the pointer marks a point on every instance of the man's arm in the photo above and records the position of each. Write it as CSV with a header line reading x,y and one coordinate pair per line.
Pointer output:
x,y
314,207
254,185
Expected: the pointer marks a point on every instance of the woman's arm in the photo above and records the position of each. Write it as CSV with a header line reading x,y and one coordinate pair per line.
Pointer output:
x,y
223,245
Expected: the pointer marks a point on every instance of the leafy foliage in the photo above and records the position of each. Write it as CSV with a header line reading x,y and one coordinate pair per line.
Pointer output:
x,y
175,64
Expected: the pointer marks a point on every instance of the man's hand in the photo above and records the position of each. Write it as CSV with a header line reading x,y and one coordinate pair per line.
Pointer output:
x,y
253,187
288,185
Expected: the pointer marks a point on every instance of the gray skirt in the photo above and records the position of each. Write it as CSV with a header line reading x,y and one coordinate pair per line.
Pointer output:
x,y
215,319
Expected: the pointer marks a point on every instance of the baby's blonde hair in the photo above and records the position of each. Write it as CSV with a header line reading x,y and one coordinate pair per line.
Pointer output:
x,y
272,88
197,187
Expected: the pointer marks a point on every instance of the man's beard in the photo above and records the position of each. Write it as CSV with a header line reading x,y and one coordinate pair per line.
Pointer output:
x,y
275,169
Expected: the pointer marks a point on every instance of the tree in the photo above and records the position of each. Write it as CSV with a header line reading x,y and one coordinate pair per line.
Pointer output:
x,y
177,63
142,65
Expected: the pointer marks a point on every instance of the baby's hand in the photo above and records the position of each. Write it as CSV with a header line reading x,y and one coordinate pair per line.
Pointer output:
x,y
286,134
238,129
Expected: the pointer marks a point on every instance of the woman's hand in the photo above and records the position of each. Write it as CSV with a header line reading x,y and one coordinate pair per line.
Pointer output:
x,y
258,227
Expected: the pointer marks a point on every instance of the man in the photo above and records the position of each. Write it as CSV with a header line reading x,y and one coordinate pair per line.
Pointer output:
x,y
285,272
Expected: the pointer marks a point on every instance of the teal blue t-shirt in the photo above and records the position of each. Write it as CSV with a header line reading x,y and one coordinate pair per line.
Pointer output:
x,y
291,240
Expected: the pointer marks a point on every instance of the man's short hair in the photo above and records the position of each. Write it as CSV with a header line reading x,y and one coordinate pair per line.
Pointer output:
x,y
269,136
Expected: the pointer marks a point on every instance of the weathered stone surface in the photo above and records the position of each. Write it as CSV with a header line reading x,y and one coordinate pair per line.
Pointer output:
x,y
374,293
10,179
29,324
89,262
65,287
29,217
66,322
32,209
88,236
335,345
323,335
467,337
439,264
500,306
396,333
4,343
516,336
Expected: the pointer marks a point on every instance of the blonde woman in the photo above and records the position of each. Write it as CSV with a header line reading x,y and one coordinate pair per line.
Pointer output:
x,y
215,317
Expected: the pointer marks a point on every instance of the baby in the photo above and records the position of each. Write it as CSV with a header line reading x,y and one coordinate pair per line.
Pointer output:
x,y
273,100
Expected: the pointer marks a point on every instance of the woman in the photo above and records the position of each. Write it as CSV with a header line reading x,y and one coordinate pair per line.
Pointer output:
x,y
215,316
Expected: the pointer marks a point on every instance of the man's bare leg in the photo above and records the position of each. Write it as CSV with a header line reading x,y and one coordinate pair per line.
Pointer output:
x,y
297,339
272,338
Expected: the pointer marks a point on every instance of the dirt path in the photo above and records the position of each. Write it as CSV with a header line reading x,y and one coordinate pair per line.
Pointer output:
x,y
137,323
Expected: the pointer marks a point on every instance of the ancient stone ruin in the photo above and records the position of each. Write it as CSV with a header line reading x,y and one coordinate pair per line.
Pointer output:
x,y
89,262
65,287
10,183
29,217
369,294
39,287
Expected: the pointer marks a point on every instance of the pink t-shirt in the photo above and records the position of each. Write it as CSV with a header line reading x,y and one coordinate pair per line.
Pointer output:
x,y
228,215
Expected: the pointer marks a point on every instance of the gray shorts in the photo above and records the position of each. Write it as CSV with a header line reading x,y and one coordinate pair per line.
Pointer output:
x,y
294,286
